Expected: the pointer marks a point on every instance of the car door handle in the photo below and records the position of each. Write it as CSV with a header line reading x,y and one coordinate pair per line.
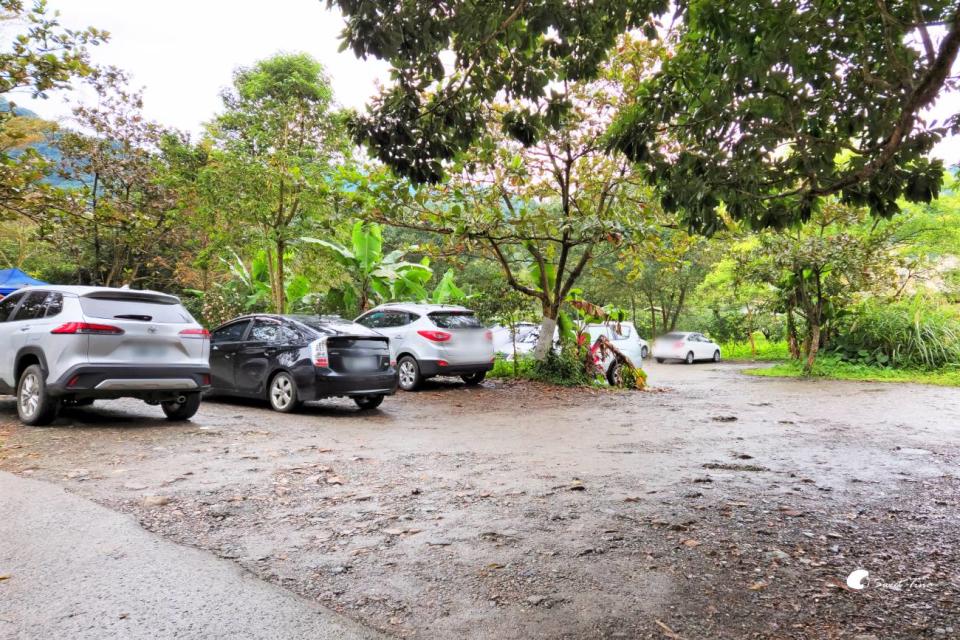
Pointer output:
x,y
26,328
269,352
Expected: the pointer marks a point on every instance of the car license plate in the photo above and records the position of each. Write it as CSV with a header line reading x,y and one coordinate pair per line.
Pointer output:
x,y
149,350
361,364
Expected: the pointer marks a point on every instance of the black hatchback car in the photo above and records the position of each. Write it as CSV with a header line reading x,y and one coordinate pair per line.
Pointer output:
x,y
292,359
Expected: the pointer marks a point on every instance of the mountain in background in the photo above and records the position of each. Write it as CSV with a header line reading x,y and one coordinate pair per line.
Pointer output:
x,y
47,149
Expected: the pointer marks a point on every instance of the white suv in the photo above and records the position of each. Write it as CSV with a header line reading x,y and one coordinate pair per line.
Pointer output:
x,y
429,340
73,345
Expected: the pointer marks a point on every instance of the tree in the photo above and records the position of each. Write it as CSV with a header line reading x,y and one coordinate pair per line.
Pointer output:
x,y
770,107
275,148
375,275
119,217
544,208
501,52
43,57
819,268
764,106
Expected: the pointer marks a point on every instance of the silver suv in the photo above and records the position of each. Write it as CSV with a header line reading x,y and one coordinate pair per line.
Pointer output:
x,y
429,340
72,345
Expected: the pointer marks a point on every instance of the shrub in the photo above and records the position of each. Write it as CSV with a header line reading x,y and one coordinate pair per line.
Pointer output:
x,y
907,334
565,367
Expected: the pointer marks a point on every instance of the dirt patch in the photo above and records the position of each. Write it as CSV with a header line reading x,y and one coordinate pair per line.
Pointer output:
x,y
521,511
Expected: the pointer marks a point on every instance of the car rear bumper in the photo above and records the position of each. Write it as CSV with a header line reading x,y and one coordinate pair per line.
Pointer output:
x,y
329,384
443,368
119,381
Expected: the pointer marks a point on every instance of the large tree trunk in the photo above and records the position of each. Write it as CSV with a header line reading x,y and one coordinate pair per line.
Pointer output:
x,y
545,341
279,295
812,346
792,342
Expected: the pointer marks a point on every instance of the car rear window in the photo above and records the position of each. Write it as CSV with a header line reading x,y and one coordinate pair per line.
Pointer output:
x,y
455,320
675,336
125,309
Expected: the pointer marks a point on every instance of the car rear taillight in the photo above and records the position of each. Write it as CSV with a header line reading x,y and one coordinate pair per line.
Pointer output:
x,y
195,333
318,353
87,328
442,363
678,344
435,336
488,335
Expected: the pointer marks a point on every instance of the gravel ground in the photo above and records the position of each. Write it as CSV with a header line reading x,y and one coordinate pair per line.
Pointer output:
x,y
714,506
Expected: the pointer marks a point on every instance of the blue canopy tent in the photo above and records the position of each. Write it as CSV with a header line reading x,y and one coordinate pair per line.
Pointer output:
x,y
13,279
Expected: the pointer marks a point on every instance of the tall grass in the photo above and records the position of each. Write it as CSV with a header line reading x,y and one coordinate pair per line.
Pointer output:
x,y
765,349
909,334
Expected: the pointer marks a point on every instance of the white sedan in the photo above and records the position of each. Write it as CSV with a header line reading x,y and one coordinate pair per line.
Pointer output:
x,y
688,347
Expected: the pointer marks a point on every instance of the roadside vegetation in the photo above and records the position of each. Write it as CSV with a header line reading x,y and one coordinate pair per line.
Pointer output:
x,y
582,176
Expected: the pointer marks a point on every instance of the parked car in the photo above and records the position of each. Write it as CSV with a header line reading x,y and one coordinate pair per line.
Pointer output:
x,y
688,347
288,360
624,337
505,336
428,340
73,345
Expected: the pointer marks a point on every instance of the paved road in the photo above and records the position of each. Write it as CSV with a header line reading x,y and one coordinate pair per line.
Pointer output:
x,y
77,570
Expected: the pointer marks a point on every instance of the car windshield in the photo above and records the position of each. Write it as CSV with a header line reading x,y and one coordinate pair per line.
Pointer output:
x,y
455,320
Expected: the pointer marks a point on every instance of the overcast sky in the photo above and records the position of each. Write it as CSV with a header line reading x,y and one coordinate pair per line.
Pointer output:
x,y
183,52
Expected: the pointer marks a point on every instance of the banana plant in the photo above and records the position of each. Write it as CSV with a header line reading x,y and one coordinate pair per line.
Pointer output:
x,y
374,276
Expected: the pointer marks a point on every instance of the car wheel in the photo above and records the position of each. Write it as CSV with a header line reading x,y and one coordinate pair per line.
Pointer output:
x,y
368,402
473,379
35,406
409,372
179,411
716,356
615,374
690,358
282,393
644,352
659,360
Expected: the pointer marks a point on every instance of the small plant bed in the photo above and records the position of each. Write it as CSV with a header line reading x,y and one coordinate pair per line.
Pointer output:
x,y
834,368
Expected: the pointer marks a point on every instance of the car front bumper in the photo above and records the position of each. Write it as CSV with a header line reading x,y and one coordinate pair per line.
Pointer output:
x,y
125,381
438,368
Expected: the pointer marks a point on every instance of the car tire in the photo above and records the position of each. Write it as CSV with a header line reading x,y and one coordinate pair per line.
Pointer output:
x,y
716,356
366,403
282,393
408,372
615,374
473,379
659,360
180,411
689,358
35,406
644,352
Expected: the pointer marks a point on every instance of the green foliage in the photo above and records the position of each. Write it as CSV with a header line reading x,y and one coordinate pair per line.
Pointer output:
x,y
764,119
527,51
834,368
565,368
907,334
762,350
375,276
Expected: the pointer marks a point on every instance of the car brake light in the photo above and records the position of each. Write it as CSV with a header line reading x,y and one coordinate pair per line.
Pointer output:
x,y
678,345
435,336
87,328
442,363
318,353
206,380
488,335
73,381
195,333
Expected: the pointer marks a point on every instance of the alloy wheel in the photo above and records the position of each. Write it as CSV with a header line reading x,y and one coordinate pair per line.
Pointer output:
x,y
29,395
281,392
408,374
